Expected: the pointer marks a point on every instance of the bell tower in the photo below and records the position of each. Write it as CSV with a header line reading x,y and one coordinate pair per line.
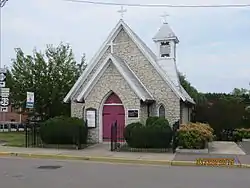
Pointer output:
x,y
166,42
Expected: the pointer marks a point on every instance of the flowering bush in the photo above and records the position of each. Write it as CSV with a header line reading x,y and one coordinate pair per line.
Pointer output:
x,y
194,135
242,133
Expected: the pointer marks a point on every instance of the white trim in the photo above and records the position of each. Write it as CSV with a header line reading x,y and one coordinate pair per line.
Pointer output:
x,y
94,79
93,62
100,117
133,117
121,24
140,81
155,65
113,104
132,85
92,82
112,44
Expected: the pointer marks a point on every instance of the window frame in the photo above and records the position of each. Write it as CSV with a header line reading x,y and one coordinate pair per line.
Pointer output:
x,y
160,108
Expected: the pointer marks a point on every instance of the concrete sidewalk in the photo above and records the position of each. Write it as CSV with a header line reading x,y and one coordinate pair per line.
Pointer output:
x,y
101,153
92,151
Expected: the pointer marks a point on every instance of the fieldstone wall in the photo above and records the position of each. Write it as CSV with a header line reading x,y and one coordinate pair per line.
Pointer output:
x,y
77,109
93,72
144,112
111,80
126,49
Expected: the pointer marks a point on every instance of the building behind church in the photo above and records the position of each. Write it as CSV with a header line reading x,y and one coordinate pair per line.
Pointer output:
x,y
127,82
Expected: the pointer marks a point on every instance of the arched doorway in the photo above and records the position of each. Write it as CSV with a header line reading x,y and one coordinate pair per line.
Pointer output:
x,y
113,110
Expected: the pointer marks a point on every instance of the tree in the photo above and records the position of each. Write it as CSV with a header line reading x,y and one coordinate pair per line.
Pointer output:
x,y
49,75
240,91
197,96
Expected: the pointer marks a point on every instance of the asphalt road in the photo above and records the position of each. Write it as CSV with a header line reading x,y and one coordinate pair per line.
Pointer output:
x,y
16,173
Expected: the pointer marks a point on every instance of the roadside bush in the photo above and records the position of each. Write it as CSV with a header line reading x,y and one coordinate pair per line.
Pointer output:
x,y
151,120
194,135
63,130
242,134
155,134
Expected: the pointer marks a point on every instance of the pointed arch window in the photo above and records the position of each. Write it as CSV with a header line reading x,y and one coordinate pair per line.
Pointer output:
x,y
162,111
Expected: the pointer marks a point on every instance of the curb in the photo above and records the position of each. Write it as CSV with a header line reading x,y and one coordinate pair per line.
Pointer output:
x,y
87,158
192,163
115,160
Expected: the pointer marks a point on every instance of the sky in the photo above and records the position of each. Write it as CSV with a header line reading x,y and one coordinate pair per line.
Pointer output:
x,y
214,48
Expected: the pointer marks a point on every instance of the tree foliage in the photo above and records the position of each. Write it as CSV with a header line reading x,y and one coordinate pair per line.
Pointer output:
x,y
240,91
192,91
224,111
220,110
50,75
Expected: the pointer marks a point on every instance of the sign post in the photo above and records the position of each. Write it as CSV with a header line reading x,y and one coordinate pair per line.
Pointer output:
x,y
4,92
30,100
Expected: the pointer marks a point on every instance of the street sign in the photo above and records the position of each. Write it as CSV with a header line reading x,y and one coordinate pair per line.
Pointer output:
x,y
4,92
4,101
2,84
3,109
2,77
3,70
30,100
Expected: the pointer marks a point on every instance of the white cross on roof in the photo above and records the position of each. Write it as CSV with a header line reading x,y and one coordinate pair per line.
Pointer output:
x,y
122,11
164,16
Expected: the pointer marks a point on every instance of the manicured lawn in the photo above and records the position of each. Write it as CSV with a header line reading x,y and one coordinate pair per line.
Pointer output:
x,y
12,139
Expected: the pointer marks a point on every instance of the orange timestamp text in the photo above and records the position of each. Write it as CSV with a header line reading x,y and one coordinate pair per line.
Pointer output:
x,y
215,161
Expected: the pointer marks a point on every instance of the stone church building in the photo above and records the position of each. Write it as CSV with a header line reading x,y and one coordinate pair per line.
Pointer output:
x,y
126,82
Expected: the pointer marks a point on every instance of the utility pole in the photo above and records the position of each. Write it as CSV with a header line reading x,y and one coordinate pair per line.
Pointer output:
x,y
4,92
2,3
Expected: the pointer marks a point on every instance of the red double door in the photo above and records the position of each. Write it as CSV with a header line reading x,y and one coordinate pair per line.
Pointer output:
x,y
111,114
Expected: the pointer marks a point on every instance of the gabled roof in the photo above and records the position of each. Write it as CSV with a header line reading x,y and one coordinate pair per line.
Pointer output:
x,y
189,99
165,32
140,44
98,55
170,69
130,77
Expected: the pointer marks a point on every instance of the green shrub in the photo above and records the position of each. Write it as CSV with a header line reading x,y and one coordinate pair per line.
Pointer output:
x,y
63,130
194,135
155,134
151,120
242,133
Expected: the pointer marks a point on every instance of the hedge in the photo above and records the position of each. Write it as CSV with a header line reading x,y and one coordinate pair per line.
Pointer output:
x,y
155,134
64,130
241,134
194,135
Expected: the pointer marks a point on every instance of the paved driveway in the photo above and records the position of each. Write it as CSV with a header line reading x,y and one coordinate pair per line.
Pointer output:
x,y
75,174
